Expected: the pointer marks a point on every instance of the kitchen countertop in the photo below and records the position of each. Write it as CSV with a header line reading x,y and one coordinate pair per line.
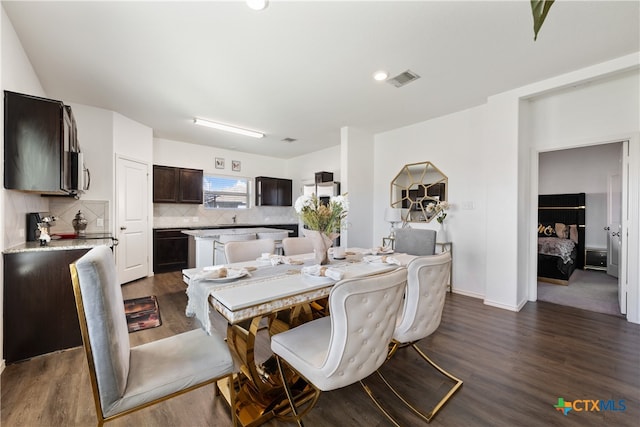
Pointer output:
x,y
59,245
223,226
213,233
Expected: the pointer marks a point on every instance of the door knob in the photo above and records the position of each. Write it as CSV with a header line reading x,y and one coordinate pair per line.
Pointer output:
x,y
123,228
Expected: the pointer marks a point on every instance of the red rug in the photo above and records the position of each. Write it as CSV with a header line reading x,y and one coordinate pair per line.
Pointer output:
x,y
142,313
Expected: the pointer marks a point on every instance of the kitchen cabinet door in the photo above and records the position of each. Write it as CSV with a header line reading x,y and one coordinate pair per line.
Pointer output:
x,y
177,185
170,250
165,184
39,307
273,191
190,186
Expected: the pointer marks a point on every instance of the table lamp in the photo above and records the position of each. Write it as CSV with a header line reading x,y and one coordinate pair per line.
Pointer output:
x,y
394,216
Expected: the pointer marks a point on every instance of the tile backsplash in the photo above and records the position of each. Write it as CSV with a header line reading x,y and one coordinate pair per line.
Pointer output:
x,y
166,215
96,212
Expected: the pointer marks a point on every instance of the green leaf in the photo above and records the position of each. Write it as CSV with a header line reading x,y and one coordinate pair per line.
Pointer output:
x,y
539,9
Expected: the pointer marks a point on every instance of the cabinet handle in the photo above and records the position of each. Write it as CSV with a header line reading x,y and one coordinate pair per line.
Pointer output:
x,y
607,228
123,228
616,234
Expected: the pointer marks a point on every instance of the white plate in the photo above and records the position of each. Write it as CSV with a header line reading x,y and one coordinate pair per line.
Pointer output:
x,y
379,252
315,277
232,275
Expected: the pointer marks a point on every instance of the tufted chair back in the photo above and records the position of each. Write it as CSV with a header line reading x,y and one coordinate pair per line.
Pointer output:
x,y
427,279
363,313
297,246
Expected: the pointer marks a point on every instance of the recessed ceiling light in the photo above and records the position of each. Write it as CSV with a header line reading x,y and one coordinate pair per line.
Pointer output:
x,y
228,128
380,76
258,4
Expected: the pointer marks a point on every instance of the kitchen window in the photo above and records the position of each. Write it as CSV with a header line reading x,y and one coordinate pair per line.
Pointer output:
x,y
222,192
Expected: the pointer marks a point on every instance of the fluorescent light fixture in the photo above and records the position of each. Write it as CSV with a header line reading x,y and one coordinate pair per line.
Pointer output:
x,y
228,128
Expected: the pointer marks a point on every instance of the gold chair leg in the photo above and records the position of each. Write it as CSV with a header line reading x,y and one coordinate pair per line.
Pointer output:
x,y
297,415
374,400
426,417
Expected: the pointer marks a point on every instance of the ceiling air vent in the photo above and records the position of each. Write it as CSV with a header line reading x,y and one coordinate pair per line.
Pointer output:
x,y
403,78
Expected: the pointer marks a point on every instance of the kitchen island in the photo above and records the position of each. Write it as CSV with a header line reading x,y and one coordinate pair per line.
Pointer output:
x,y
206,240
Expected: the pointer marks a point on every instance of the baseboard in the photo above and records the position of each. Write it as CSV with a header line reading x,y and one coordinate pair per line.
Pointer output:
x,y
467,293
502,306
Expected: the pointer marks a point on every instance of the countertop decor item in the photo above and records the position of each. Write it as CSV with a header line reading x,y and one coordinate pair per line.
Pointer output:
x,y
80,224
322,221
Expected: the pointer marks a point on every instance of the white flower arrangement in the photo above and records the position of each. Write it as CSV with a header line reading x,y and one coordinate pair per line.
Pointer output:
x,y
440,210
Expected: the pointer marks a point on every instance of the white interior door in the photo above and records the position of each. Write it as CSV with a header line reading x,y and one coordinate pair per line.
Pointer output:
x,y
132,252
614,224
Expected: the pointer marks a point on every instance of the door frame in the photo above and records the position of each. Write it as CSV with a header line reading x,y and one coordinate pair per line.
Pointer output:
x,y
116,210
631,213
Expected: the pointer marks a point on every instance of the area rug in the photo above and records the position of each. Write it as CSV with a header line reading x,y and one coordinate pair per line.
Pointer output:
x,y
142,313
587,289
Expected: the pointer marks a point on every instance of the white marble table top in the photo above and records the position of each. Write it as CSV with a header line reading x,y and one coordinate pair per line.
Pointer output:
x,y
273,288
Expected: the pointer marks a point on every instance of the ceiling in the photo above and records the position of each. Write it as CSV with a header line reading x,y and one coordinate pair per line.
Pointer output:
x,y
303,70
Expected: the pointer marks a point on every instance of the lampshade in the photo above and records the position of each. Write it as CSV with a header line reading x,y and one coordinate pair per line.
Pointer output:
x,y
393,215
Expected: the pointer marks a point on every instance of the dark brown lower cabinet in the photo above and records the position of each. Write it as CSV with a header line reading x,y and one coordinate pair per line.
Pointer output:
x,y
39,307
170,250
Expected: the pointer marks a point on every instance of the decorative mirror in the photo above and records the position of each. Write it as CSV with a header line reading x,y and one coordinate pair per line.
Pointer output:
x,y
415,187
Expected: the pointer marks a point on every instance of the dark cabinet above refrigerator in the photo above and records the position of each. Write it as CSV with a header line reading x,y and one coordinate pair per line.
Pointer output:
x,y
41,152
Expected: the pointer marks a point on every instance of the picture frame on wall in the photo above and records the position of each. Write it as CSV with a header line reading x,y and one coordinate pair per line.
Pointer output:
x,y
219,163
235,165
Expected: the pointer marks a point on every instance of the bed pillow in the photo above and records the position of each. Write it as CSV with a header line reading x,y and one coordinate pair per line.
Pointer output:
x,y
573,232
562,231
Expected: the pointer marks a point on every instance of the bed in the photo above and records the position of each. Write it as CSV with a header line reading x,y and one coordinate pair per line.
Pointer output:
x,y
561,232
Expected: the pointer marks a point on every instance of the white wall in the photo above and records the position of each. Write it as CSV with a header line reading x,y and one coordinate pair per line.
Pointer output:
x,y
582,170
356,149
454,144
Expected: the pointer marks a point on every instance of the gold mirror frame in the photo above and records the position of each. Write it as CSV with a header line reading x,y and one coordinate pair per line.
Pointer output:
x,y
415,187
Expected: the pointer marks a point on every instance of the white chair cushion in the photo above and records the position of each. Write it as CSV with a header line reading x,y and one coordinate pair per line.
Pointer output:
x,y
172,364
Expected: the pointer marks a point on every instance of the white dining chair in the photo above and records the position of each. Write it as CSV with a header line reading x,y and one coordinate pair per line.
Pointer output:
x,y
277,237
125,379
219,245
297,246
427,282
415,241
350,344
248,250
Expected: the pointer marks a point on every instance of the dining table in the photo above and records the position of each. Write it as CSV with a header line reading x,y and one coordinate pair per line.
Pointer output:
x,y
276,293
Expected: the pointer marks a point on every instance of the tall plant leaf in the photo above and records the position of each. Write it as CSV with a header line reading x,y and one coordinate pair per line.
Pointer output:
x,y
539,8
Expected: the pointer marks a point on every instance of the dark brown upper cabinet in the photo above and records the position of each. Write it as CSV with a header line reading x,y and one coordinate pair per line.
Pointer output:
x,y
177,185
273,191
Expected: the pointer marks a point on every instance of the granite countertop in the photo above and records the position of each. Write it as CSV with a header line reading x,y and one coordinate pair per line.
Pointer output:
x,y
59,245
222,226
213,233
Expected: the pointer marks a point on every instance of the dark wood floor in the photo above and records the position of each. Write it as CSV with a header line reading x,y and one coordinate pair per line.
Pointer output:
x,y
515,366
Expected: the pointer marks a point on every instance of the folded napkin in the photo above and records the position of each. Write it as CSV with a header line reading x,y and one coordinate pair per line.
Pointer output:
x,y
279,259
379,250
381,259
321,271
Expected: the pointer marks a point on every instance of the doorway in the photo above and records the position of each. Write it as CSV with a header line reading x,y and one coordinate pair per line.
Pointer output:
x,y
592,170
